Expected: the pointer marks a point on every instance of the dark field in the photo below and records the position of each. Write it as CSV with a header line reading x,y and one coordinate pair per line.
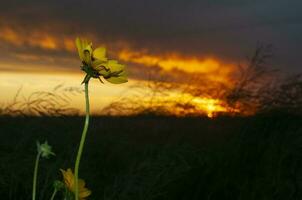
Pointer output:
x,y
158,158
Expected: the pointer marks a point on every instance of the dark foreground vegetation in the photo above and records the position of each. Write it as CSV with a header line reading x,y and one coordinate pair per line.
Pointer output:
x,y
144,158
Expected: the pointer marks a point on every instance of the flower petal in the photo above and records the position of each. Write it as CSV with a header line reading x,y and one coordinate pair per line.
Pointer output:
x,y
98,65
69,182
117,80
114,66
85,50
68,178
120,78
100,54
87,54
84,193
79,45
87,58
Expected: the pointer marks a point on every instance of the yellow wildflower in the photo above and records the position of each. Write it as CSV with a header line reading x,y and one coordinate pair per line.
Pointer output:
x,y
96,64
69,183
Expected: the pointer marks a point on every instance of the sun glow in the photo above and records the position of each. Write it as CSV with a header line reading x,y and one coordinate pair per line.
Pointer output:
x,y
210,106
211,70
201,105
173,102
168,102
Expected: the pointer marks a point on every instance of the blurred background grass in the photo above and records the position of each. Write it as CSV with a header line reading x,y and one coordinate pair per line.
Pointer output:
x,y
152,157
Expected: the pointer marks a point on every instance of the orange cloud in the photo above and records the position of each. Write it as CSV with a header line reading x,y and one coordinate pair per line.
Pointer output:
x,y
46,42
9,35
69,44
36,38
212,69
171,61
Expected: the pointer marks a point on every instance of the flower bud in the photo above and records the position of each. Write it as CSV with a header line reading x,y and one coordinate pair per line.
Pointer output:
x,y
58,185
44,149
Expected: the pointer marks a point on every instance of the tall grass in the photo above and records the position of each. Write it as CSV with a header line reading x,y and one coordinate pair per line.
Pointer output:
x,y
161,157
42,103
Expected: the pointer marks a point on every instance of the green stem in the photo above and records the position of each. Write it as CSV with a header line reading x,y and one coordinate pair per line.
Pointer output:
x,y
35,176
53,194
82,142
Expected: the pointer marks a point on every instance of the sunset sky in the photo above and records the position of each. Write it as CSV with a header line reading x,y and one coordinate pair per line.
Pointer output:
x,y
170,41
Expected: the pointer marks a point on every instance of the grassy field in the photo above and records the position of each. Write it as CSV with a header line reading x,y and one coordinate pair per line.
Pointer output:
x,y
155,158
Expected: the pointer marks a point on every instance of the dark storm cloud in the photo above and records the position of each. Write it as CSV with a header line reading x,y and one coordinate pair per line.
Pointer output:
x,y
227,29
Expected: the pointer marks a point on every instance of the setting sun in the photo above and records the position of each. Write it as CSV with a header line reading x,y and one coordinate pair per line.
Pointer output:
x,y
150,100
